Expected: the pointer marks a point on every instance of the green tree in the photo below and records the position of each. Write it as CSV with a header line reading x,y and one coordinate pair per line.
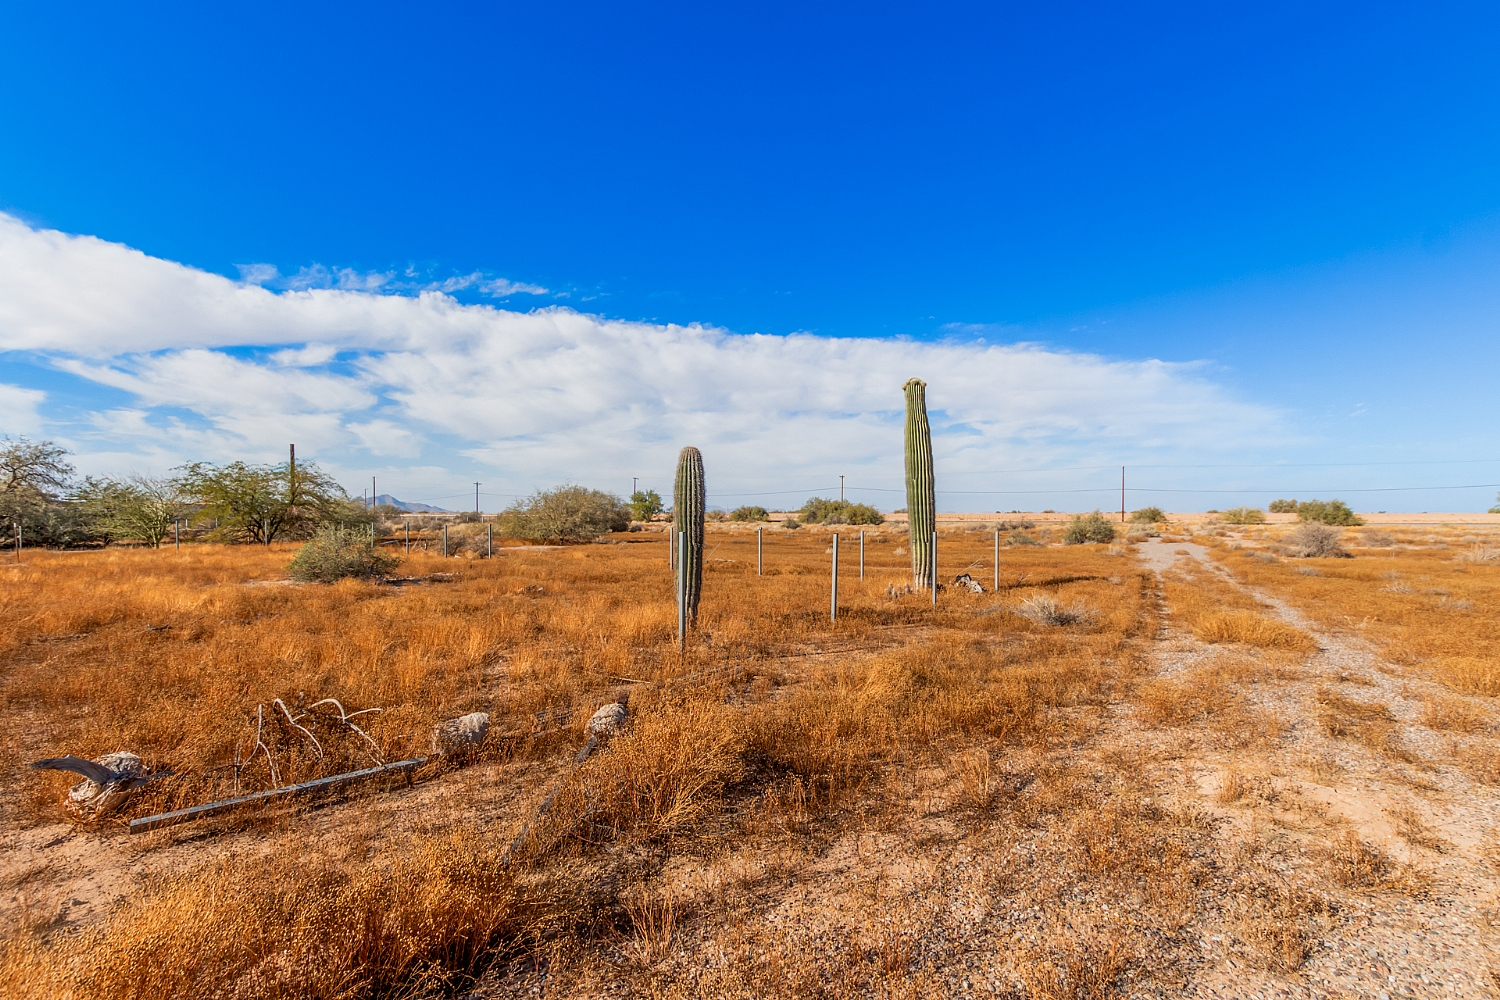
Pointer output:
x,y
258,503
33,474
645,504
139,507
1283,507
565,514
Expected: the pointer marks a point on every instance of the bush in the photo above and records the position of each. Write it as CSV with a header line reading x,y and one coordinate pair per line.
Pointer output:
x,y
1312,540
820,511
750,513
791,522
1093,527
1327,512
1283,507
1148,515
1020,538
716,515
565,514
334,553
1244,515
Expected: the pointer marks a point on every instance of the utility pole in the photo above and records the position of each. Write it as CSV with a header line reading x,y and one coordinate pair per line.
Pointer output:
x,y
841,489
372,492
635,485
476,498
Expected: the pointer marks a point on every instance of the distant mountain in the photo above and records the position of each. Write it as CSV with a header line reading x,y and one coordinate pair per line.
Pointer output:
x,y
386,500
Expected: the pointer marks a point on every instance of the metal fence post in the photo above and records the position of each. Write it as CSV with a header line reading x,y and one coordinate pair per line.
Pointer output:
x,y
489,541
861,555
176,535
833,595
408,537
997,559
760,552
445,541
934,569
681,592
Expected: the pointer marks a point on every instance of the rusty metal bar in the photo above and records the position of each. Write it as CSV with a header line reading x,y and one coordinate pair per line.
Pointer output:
x,y
318,785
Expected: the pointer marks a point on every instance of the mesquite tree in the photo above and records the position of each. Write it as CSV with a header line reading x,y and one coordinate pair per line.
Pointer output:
x,y
688,499
921,497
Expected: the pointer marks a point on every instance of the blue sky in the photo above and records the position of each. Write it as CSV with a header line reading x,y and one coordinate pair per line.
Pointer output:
x,y
1254,249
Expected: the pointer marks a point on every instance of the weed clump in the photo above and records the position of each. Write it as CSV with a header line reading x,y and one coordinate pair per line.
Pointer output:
x,y
1093,527
1315,541
1148,515
565,514
1243,515
336,553
749,513
1044,609
1020,538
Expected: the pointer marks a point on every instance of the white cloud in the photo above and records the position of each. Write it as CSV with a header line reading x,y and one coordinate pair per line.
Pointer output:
x,y
258,274
554,394
20,408
500,288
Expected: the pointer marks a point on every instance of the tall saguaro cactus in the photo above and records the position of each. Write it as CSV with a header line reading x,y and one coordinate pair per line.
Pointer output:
x,y
921,496
688,499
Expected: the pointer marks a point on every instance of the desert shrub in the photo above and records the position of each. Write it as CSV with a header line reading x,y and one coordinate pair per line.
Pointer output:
x,y
334,553
1243,515
1312,540
716,515
1144,530
1020,538
565,514
820,511
1093,527
1327,512
791,522
749,513
1148,515
1283,507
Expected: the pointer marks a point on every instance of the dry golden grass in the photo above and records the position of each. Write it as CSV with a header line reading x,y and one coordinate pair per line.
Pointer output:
x,y
1424,602
800,807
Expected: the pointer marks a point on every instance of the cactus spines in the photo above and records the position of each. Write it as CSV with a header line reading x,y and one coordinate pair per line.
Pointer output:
x,y
688,499
921,496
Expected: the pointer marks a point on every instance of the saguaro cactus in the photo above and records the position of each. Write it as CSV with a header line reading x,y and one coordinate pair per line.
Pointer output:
x,y
688,499
921,497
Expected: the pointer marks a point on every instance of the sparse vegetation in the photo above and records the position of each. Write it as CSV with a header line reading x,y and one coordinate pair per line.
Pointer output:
x,y
1148,515
1084,528
749,513
1243,515
1312,540
565,514
337,553
820,511
1283,507
1328,512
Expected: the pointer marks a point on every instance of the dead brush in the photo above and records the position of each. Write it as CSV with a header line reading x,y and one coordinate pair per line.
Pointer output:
x,y
976,779
1079,963
1411,828
1369,723
1454,715
654,916
1357,865
1232,787
1251,629
1480,554
1272,922
1044,609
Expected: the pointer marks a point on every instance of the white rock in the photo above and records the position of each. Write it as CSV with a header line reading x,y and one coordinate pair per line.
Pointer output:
x,y
609,720
460,736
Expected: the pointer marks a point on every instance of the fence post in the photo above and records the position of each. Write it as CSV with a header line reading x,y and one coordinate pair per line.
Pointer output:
x,y
681,592
833,596
265,529
408,536
997,559
489,540
176,535
861,555
760,552
671,549
934,569
445,541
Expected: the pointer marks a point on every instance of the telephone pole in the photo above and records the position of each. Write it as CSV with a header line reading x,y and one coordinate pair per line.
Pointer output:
x,y
476,498
841,489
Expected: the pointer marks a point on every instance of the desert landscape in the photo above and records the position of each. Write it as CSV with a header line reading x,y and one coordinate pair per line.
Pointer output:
x,y
1187,762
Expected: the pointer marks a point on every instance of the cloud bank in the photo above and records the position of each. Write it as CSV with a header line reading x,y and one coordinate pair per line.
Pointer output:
x,y
209,367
